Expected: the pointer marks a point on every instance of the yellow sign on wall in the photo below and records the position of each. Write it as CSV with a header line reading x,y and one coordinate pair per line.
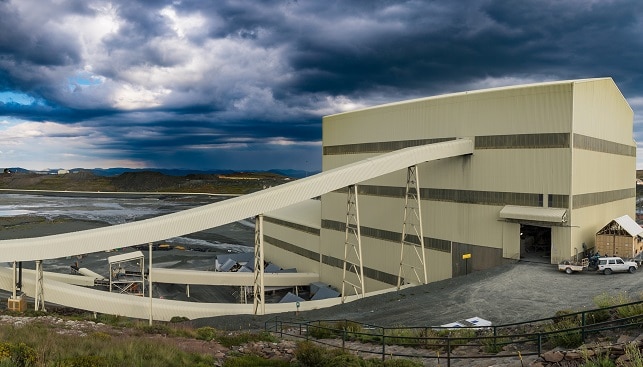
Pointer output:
x,y
466,256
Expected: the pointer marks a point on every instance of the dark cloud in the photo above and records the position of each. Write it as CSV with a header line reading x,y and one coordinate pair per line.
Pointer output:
x,y
23,44
185,82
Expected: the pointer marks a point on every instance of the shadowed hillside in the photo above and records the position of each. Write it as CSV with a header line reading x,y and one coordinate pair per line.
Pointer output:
x,y
146,181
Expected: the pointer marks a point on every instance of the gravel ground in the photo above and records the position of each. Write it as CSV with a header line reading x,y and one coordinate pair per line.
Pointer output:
x,y
509,293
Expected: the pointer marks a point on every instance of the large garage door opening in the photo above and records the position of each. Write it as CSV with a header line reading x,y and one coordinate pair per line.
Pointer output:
x,y
535,243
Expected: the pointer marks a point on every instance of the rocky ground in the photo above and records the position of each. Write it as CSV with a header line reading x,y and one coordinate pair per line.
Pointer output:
x,y
610,344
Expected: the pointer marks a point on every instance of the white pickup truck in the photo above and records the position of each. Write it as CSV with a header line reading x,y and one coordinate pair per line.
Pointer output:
x,y
608,265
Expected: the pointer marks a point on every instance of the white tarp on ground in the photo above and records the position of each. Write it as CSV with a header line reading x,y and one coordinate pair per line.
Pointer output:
x,y
468,323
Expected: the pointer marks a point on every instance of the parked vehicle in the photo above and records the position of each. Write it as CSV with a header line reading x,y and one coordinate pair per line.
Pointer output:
x,y
573,266
608,265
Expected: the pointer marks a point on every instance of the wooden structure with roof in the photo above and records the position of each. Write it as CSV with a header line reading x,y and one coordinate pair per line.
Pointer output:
x,y
621,237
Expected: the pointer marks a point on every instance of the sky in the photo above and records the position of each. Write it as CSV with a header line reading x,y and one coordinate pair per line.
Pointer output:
x,y
243,85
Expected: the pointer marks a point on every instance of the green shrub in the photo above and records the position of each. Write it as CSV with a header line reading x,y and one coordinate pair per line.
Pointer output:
x,y
175,319
344,359
5,351
17,355
252,361
310,355
84,361
206,333
493,345
322,330
634,354
564,316
630,310
349,326
399,336
603,300
99,335
401,363
597,316
559,334
461,337
114,320
601,360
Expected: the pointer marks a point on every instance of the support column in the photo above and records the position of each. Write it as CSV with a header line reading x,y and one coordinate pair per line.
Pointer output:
x,y
149,281
15,282
412,232
16,302
39,296
353,247
259,289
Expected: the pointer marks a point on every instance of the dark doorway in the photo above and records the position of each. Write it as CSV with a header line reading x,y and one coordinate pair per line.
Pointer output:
x,y
535,243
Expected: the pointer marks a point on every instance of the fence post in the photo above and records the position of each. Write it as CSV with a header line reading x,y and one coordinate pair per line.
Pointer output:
x,y
281,329
540,344
383,344
582,325
344,338
307,330
448,351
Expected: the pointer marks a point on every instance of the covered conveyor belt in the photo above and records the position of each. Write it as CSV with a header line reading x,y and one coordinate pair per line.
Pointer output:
x,y
227,211
139,307
196,277
195,220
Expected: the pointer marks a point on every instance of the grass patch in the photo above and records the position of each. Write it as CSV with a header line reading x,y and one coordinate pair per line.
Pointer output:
x,y
322,330
601,360
231,339
36,345
559,335
406,337
493,344
312,355
252,361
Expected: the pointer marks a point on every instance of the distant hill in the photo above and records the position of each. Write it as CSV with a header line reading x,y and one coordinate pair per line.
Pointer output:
x,y
142,181
170,172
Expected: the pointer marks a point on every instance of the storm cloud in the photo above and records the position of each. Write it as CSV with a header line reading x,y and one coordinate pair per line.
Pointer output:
x,y
244,84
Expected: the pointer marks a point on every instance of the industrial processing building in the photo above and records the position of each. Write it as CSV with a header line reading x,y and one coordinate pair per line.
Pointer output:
x,y
552,164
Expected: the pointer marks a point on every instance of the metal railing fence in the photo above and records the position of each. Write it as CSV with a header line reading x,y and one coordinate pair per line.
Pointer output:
x,y
513,340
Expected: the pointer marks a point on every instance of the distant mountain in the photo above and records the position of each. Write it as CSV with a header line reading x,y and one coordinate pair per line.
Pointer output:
x,y
170,172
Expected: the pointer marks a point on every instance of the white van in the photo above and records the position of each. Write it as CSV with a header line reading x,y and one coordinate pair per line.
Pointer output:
x,y
608,265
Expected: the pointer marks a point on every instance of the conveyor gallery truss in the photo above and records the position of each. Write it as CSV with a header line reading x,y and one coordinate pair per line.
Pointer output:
x,y
412,233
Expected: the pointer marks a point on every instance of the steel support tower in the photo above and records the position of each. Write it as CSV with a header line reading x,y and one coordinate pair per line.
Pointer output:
x,y
353,247
259,290
412,233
